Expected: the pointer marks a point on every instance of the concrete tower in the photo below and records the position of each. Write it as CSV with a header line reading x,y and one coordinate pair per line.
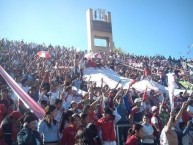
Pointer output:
x,y
99,27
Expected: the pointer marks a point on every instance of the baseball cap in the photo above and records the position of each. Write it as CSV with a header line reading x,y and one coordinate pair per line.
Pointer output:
x,y
154,108
137,100
72,102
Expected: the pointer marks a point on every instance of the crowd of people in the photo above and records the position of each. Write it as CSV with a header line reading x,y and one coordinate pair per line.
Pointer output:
x,y
89,117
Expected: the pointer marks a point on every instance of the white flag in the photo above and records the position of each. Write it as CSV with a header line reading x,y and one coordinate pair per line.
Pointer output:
x,y
171,86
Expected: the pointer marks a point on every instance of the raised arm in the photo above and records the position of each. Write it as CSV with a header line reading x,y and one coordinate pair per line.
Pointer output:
x,y
91,86
145,94
128,89
96,101
161,105
184,105
117,85
170,122
117,95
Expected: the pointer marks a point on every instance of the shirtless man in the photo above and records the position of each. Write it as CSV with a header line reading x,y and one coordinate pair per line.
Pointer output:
x,y
169,135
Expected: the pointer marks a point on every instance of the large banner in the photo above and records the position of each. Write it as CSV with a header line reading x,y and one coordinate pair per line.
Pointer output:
x,y
21,94
110,77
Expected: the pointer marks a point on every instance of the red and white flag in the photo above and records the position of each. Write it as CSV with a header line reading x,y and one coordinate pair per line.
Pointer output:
x,y
25,98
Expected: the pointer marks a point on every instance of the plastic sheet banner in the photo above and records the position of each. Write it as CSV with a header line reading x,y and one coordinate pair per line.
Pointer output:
x,y
21,94
110,77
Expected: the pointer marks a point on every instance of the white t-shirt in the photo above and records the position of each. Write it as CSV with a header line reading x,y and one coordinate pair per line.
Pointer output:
x,y
148,130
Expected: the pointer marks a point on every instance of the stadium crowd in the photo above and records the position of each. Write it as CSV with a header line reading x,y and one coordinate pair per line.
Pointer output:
x,y
89,117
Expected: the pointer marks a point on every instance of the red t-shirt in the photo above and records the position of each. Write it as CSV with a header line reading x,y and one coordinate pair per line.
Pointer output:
x,y
69,134
132,140
107,128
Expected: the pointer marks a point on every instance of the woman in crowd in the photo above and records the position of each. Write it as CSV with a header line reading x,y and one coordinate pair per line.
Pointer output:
x,y
65,120
48,127
136,135
88,136
148,138
82,137
69,133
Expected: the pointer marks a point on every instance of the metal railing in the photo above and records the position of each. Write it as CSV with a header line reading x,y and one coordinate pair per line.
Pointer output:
x,y
117,131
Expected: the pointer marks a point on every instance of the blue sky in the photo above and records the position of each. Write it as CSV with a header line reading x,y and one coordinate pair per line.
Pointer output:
x,y
142,27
